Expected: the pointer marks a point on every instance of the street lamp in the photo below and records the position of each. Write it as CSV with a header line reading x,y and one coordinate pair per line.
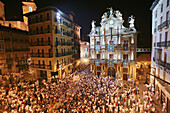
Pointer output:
x,y
146,82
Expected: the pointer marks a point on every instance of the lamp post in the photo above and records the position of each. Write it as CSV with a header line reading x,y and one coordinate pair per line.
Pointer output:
x,y
146,82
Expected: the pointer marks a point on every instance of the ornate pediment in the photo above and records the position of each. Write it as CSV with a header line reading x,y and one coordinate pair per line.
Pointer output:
x,y
114,21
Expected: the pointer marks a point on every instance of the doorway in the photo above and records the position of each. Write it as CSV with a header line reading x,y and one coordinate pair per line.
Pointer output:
x,y
124,76
111,72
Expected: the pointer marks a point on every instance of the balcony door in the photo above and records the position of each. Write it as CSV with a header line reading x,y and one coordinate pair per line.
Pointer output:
x,y
165,57
125,57
42,40
98,56
42,52
38,41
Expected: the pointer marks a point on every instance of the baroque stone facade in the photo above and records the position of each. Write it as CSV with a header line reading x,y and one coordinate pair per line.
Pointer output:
x,y
113,46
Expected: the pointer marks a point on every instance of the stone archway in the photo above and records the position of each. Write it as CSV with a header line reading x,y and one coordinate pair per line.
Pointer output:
x,y
111,72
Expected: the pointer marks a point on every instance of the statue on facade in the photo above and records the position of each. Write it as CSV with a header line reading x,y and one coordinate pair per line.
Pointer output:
x,y
93,26
111,11
104,16
131,21
118,15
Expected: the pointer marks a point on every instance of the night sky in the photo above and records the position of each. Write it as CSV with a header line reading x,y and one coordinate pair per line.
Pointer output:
x,y
88,10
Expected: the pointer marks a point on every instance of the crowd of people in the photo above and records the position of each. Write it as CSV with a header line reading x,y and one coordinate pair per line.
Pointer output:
x,y
89,94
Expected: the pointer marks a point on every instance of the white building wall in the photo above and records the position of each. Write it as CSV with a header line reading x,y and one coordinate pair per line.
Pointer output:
x,y
160,70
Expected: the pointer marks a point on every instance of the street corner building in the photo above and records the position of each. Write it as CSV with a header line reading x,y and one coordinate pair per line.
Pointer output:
x,y
14,50
160,58
53,41
113,46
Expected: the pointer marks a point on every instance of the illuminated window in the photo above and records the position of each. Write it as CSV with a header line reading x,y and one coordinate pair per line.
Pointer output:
x,y
30,9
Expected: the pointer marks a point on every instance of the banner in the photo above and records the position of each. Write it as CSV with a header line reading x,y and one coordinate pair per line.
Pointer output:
x,y
99,35
110,48
97,62
110,63
118,34
97,47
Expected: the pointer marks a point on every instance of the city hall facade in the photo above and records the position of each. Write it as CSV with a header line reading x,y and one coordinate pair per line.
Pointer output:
x,y
113,46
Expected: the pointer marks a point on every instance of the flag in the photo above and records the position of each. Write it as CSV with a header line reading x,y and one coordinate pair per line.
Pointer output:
x,y
99,35
111,32
118,34
110,48
105,39
97,47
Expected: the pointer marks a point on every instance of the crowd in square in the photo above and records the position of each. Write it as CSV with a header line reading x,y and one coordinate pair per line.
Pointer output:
x,y
88,94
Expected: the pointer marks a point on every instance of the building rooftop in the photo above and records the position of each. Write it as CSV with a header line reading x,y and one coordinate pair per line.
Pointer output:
x,y
4,28
154,4
144,57
47,9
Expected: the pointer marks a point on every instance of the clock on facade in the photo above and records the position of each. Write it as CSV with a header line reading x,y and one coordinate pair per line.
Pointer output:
x,y
111,22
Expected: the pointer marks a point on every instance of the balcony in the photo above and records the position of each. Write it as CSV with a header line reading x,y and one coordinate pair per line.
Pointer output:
x,y
164,24
58,54
40,32
164,64
41,55
69,53
160,27
49,67
69,44
46,43
103,61
92,61
21,49
57,43
42,66
57,31
66,24
36,65
38,20
65,54
63,43
163,44
125,63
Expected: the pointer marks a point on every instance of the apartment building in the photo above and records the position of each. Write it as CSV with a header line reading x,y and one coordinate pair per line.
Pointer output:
x,y
14,50
84,48
160,58
76,30
51,42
